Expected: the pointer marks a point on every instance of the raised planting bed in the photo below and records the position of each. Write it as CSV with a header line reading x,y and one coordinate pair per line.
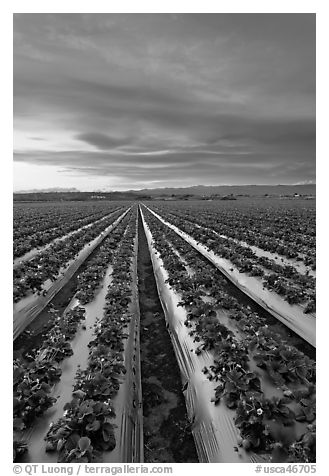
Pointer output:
x,y
31,276
70,231
291,315
286,228
27,310
213,427
35,226
283,279
273,395
296,263
36,373
102,421
90,278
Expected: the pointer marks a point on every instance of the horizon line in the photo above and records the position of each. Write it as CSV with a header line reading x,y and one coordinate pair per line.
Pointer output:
x,y
69,189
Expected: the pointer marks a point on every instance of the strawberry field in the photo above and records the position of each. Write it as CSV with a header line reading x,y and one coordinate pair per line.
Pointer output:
x,y
164,331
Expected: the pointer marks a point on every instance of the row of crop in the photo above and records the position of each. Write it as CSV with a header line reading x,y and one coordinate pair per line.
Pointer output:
x,y
86,428
31,218
257,417
49,224
32,274
277,220
284,280
25,242
262,243
289,233
193,260
90,278
288,271
37,372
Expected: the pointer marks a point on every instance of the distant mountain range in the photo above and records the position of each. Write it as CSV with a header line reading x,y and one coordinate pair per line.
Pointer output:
x,y
252,190
49,190
55,194
59,195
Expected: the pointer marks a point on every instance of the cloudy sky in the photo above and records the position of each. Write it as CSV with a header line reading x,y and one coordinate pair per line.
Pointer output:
x,y
129,101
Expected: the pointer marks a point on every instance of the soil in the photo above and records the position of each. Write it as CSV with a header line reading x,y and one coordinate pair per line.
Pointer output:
x,y
167,430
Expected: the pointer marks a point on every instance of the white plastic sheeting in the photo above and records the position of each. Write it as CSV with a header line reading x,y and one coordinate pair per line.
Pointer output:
x,y
279,259
213,427
291,315
30,254
64,387
127,403
26,310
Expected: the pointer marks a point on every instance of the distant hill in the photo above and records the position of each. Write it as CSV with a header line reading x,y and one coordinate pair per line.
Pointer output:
x,y
49,190
197,191
252,190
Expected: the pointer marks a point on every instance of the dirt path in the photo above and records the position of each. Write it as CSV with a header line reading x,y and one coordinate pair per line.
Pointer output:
x,y
167,432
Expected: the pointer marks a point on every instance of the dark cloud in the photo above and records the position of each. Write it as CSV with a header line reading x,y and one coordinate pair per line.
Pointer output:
x,y
101,141
208,97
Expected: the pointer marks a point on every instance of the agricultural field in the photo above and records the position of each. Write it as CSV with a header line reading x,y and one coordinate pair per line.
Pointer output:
x,y
165,331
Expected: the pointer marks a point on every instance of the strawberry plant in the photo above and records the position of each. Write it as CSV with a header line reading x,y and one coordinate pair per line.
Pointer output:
x,y
83,431
257,417
303,450
86,428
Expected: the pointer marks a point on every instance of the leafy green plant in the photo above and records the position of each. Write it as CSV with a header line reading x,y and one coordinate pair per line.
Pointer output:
x,y
281,412
83,431
32,388
31,399
305,410
251,412
304,449
236,383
